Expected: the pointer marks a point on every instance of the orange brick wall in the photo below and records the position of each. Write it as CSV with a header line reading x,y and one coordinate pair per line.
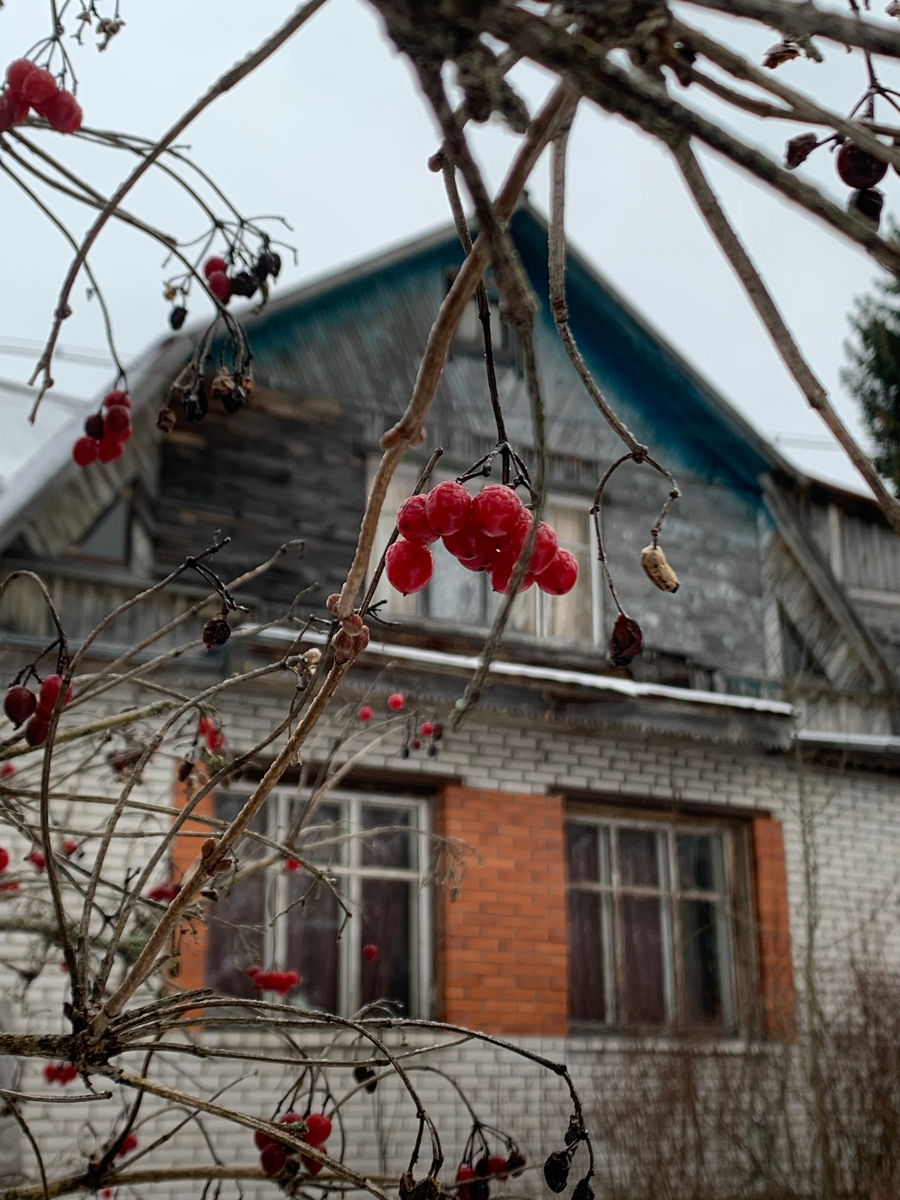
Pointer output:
x,y
776,971
502,951
192,942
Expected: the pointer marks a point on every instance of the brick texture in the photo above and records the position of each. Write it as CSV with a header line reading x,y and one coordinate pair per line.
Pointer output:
x,y
776,975
192,938
503,958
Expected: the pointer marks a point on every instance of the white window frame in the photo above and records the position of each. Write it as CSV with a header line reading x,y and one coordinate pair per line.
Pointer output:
x,y
611,923
348,875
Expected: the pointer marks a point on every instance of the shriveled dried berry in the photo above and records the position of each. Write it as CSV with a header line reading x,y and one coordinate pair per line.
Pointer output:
x,y
583,1190
177,316
367,1076
867,203
268,263
244,284
625,642
781,52
798,149
426,1189
167,420
657,569
556,1171
184,770
222,382
94,426
515,1163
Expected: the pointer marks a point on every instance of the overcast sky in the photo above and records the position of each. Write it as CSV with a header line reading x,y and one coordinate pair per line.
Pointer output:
x,y
332,134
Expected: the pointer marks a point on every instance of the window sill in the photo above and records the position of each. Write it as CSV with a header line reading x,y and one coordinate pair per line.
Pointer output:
x,y
593,1037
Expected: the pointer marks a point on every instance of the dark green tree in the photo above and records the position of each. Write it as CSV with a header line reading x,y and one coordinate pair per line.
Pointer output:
x,y
873,374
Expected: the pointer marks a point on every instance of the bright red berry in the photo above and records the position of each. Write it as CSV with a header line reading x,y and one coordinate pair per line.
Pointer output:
x,y
69,847
292,865
36,730
11,885
50,689
447,507
545,545
262,1139
214,264
471,548
128,1145
219,285
496,510
408,566
857,168
370,952
318,1129
412,521
254,971
291,1118
7,769
311,1165
117,397
502,569
560,576
19,704
85,451
63,112
50,1072
365,713
215,741
415,744
39,86
426,729
118,423
396,701
4,858
13,110
463,1176
37,860
17,72
109,450
497,1166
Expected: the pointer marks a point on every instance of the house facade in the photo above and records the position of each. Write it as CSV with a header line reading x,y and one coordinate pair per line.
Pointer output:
x,y
598,858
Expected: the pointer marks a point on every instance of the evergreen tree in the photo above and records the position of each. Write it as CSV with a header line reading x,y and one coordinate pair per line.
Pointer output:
x,y
873,375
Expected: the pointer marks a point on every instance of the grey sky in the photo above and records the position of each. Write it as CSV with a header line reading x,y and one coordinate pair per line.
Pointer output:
x,y
332,134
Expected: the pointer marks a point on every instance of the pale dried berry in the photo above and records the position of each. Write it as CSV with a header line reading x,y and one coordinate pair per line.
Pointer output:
x,y
167,420
408,566
657,569
216,632
858,168
19,703
781,52
332,602
798,149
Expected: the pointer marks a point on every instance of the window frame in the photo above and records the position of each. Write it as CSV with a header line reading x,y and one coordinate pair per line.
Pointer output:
x,y
351,870
737,899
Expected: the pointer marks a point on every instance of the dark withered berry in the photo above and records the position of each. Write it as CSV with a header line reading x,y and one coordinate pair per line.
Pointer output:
x,y
177,316
867,203
798,149
234,400
426,1189
625,643
858,168
556,1171
362,1074
244,284
583,1190
483,1166
166,420
184,770
479,1189
94,426
216,632
515,1163
268,263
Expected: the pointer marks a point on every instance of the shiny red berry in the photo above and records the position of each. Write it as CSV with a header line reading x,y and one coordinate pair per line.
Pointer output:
x,y
858,168
19,703
447,507
69,847
214,264
496,510
497,1166
108,450
408,566
396,702
365,713
37,860
85,451
36,730
471,548
412,521
117,397
291,865
370,952
273,1158
560,576
50,690
545,545
318,1129
39,86
502,569
63,112
17,72
312,1166
118,423
426,729
13,110
4,858
219,285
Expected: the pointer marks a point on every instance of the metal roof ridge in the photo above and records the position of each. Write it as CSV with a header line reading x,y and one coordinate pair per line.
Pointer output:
x,y
608,683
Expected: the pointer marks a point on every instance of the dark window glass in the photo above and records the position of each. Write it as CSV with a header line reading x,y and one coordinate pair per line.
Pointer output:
x,y
313,923
700,863
642,962
637,858
586,996
385,924
108,539
700,963
320,837
388,849
582,853
235,938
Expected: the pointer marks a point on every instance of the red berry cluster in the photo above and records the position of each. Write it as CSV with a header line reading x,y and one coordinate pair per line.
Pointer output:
x,y
164,893
273,981
395,702
484,532
474,1180
62,1073
274,1156
241,283
106,432
30,86
21,704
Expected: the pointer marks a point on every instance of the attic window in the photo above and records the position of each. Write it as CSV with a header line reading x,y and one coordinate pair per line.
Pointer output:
x,y
468,339
796,656
107,539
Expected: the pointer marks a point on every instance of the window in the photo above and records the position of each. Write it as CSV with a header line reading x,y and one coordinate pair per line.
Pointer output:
x,y
108,538
651,924
466,597
469,337
376,851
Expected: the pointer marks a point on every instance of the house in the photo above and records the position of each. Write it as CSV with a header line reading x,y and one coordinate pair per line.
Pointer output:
x,y
637,862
